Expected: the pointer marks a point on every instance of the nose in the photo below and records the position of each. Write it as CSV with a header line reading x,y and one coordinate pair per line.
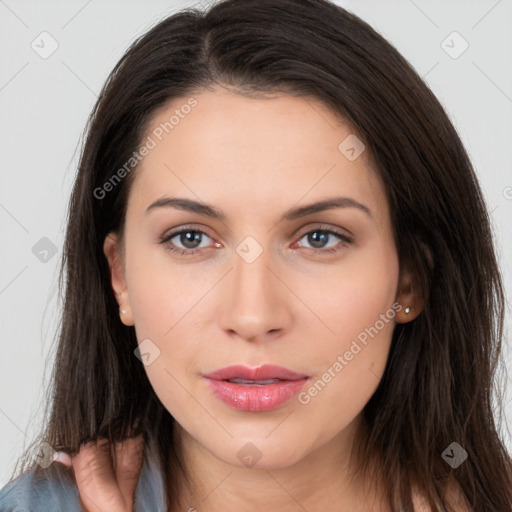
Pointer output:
x,y
257,304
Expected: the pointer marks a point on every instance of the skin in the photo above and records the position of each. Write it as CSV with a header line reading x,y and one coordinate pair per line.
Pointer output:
x,y
107,483
254,159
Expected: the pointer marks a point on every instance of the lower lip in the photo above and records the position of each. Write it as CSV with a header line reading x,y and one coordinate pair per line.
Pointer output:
x,y
256,398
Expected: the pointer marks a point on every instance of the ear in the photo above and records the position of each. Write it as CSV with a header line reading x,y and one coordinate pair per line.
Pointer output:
x,y
408,297
112,252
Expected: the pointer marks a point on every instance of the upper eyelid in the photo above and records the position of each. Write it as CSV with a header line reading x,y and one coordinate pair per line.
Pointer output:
x,y
176,231
324,227
321,226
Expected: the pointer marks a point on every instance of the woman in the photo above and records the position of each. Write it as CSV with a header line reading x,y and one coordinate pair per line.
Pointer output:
x,y
281,289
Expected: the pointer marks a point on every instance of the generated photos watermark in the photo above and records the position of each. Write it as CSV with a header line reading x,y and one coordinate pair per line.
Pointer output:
x,y
150,143
343,360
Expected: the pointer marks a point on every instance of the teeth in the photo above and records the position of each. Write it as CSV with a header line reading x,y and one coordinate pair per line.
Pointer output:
x,y
247,381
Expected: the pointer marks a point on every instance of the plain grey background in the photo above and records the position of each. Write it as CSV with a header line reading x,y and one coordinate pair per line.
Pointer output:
x,y
45,100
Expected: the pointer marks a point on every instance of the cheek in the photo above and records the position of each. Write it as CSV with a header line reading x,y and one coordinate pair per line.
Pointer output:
x,y
352,295
162,292
356,304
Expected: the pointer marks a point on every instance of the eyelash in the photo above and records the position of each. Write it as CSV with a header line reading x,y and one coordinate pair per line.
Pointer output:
x,y
189,252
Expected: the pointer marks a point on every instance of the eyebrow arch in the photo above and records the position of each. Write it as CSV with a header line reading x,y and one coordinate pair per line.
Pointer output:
x,y
291,214
327,204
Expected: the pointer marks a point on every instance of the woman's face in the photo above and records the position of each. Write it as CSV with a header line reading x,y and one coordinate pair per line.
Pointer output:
x,y
256,278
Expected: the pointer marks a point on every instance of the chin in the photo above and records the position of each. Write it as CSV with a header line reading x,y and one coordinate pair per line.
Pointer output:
x,y
261,454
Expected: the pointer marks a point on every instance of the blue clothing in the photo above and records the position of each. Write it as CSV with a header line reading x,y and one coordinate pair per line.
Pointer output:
x,y
54,489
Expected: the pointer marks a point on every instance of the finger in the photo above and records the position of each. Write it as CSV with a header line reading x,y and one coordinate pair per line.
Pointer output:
x,y
129,457
63,458
95,478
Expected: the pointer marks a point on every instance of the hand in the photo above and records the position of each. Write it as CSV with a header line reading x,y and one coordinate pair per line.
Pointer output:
x,y
105,485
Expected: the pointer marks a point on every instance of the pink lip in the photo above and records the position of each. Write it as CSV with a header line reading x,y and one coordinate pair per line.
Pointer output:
x,y
255,397
267,371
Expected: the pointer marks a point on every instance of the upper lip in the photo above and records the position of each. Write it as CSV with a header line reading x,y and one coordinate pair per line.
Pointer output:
x,y
267,371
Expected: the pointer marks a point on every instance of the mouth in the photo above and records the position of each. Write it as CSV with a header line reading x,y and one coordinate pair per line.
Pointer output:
x,y
255,389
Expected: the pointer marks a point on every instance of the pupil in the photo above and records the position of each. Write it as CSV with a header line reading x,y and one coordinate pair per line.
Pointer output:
x,y
318,238
190,237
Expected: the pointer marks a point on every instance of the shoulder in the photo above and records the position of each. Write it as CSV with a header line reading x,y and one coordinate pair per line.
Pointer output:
x,y
455,498
419,501
40,490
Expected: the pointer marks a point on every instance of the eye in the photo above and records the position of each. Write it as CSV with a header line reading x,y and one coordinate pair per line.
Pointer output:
x,y
319,240
187,241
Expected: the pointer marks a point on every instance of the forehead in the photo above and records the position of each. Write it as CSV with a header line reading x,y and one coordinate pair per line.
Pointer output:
x,y
275,149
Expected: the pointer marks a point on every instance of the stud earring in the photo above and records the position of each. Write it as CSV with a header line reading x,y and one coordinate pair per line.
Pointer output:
x,y
407,310
122,311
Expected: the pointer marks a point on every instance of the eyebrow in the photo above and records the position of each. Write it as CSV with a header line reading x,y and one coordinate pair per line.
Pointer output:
x,y
294,213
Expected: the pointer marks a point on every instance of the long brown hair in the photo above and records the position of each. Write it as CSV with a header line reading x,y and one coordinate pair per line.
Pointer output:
x,y
440,376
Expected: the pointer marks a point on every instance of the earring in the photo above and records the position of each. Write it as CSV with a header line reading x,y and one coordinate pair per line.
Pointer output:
x,y
122,311
407,310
